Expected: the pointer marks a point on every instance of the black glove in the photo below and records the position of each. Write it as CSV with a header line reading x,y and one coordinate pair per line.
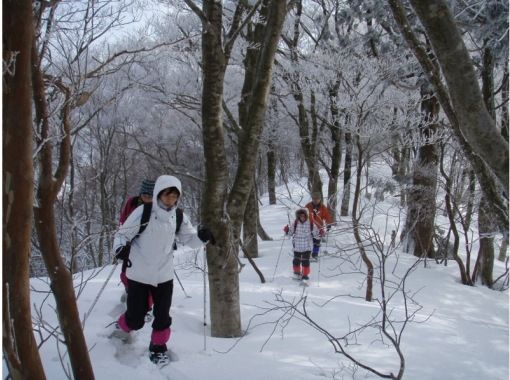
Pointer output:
x,y
328,227
122,253
206,235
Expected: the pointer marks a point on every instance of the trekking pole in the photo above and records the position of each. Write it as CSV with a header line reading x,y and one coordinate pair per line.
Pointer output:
x,y
320,259
180,283
86,315
205,289
278,259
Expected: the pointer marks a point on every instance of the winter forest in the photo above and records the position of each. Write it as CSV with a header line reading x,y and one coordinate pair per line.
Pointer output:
x,y
395,111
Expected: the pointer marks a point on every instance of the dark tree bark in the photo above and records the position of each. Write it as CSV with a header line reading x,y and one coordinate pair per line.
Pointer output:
x,y
19,346
271,151
504,103
346,195
250,225
336,154
271,174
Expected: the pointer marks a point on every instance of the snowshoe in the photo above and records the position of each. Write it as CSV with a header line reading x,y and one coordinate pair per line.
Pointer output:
x,y
120,334
159,358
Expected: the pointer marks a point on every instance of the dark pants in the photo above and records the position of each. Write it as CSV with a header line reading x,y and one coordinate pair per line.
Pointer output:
x,y
316,247
301,259
137,304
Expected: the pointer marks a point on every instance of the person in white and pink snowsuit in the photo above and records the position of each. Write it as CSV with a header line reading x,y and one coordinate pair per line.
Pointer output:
x,y
151,267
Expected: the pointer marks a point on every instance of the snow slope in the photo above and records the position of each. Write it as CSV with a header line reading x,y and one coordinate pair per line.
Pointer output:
x,y
459,332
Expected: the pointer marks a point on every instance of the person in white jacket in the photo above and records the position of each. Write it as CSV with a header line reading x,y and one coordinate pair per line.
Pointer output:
x,y
151,269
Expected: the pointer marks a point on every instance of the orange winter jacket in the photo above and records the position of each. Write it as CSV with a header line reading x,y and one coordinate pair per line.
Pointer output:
x,y
319,214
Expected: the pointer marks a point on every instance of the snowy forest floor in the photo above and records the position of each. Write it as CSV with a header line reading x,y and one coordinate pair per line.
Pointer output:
x,y
459,332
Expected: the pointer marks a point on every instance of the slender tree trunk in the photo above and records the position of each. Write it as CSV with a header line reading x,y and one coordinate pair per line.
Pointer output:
x,y
485,260
249,143
49,184
250,225
308,135
254,37
486,228
346,196
336,156
356,224
464,277
19,345
271,174
504,247
504,103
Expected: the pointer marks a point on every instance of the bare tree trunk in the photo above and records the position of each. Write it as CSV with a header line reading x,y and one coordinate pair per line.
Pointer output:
x,y
271,174
485,260
223,276
222,257
504,247
254,37
19,346
356,224
336,155
486,228
307,137
346,196
48,186
421,201
504,103
464,276
250,225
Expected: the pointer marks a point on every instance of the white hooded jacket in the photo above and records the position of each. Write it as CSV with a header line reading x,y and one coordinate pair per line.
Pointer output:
x,y
151,253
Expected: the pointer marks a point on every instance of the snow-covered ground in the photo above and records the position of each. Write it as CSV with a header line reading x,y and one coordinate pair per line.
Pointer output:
x,y
459,332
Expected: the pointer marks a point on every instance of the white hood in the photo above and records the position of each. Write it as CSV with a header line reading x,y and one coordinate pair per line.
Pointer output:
x,y
163,182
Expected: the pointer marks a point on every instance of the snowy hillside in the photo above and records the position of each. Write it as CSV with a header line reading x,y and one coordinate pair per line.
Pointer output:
x,y
459,332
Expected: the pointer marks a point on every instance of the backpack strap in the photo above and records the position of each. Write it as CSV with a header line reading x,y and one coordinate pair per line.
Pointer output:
x,y
146,215
179,217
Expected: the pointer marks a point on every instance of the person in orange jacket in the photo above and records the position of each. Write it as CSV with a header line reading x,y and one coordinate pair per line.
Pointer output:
x,y
320,215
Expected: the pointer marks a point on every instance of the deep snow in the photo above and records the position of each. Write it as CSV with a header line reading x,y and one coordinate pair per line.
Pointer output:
x,y
459,333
